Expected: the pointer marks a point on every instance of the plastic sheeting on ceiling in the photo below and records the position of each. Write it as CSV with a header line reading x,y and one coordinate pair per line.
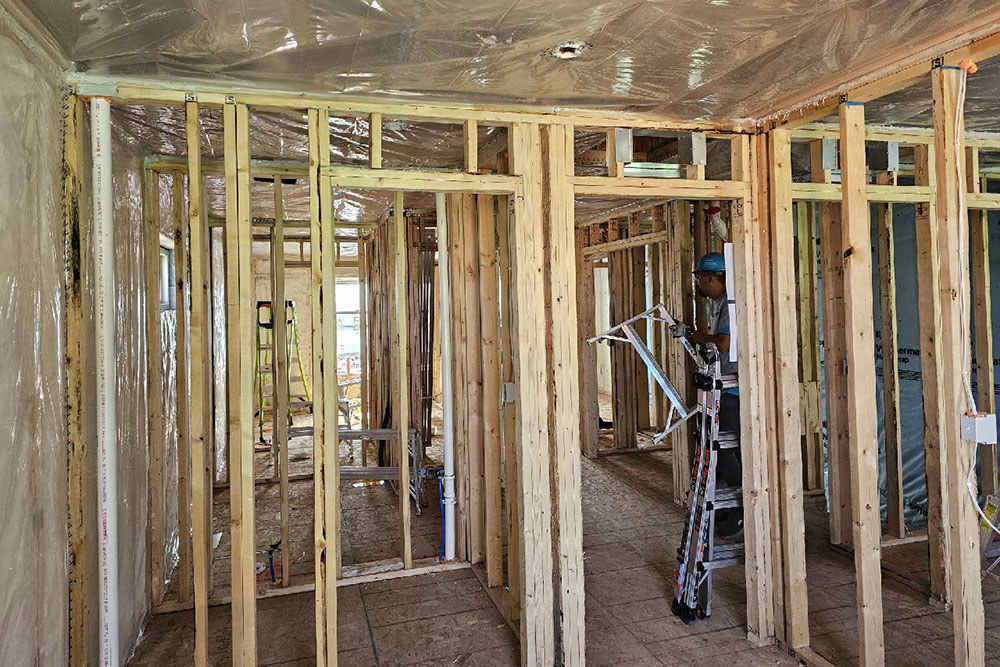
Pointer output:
x,y
687,59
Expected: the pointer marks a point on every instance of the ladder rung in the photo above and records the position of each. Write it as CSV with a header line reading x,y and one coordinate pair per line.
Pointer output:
x,y
727,551
718,563
728,498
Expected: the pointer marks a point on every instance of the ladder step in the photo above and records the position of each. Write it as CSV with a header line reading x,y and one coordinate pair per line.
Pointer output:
x,y
728,498
719,563
727,551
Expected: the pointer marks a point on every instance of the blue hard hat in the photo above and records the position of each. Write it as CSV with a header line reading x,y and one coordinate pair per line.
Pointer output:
x,y
713,261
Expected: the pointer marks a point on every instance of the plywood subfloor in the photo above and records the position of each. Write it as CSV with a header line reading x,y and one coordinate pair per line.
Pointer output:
x,y
432,619
631,532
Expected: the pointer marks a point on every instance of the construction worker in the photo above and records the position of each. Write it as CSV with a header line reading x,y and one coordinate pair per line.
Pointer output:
x,y
710,276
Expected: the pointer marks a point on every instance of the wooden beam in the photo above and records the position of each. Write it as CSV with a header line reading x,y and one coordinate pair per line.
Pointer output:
x,y
318,124
623,418
890,365
565,361
786,377
667,188
279,365
900,194
375,141
658,413
982,319
678,264
456,255
862,429
403,369
753,415
537,622
931,369
184,580
471,142
761,202
587,354
509,426
239,301
834,355
201,394
948,85
473,386
364,281
154,392
628,243
637,257
417,180
329,405
146,90
615,168
489,304
82,619
814,472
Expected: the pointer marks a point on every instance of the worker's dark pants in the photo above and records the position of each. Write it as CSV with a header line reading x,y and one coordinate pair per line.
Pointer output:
x,y
730,467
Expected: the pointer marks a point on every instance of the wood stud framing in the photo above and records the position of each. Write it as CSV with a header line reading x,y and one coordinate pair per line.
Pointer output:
x,y
929,305
788,413
183,391
403,381
505,278
319,120
201,409
239,303
760,612
489,297
537,624
566,364
890,365
814,462
154,376
953,233
862,430
83,650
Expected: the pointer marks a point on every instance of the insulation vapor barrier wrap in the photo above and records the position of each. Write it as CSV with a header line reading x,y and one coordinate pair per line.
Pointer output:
x,y
908,354
686,59
33,591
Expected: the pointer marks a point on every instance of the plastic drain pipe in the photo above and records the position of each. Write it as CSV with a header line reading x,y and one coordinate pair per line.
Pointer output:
x,y
447,407
107,427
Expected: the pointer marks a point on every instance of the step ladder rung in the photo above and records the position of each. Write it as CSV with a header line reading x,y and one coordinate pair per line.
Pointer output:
x,y
719,563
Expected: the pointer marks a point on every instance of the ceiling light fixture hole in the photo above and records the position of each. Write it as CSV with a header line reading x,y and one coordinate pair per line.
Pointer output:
x,y
568,50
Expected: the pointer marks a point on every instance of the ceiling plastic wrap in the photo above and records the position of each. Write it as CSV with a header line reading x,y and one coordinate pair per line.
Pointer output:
x,y
33,542
913,106
687,59
151,131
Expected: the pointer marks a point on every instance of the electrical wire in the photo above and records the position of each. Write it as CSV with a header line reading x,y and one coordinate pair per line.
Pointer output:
x,y
970,482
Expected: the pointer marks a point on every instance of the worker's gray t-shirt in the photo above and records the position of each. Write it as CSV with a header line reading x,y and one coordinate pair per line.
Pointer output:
x,y
719,317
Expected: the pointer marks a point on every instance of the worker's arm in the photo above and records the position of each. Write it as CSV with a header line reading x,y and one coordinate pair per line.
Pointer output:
x,y
720,340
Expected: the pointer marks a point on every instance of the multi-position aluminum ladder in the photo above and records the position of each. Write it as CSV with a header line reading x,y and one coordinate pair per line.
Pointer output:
x,y
698,554
679,410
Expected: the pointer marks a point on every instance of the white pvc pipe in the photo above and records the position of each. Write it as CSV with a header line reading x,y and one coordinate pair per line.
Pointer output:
x,y
107,427
447,409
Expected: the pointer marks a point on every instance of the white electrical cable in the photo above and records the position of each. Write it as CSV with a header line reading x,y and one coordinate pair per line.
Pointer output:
x,y
962,243
970,483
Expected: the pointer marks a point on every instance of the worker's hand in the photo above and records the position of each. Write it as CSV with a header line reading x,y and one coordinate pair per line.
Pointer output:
x,y
679,330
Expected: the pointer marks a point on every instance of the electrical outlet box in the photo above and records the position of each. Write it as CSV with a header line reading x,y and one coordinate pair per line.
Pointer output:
x,y
981,429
